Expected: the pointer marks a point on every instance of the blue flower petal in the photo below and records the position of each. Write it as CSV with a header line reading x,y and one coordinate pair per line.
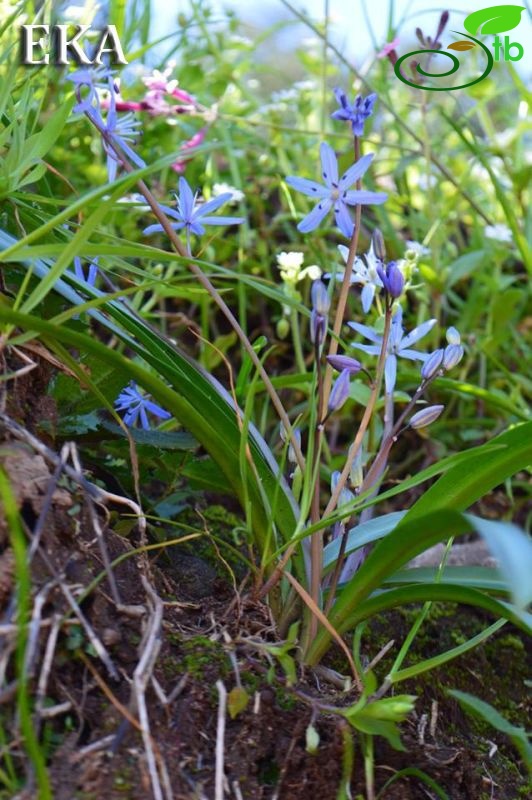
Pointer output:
x,y
367,295
366,331
418,333
390,373
305,186
222,220
355,172
318,213
212,205
343,219
362,198
159,228
186,200
329,165
413,355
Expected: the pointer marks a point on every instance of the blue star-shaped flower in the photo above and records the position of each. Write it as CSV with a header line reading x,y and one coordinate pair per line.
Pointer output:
x,y
92,273
335,194
136,405
357,112
192,215
121,130
398,345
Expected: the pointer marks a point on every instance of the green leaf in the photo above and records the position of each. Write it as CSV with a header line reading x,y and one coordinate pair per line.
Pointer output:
x,y
466,482
485,711
488,579
411,536
421,776
164,440
362,534
448,655
496,19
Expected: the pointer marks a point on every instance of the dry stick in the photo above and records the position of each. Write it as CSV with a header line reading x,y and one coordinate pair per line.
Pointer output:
x,y
437,163
218,299
141,677
220,735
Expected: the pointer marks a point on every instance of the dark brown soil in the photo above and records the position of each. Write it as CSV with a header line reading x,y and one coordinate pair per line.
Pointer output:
x,y
202,643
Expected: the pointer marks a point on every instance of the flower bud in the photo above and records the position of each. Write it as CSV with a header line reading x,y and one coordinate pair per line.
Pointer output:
x,y
318,328
393,280
432,365
320,298
452,356
377,241
341,363
340,391
425,417
452,336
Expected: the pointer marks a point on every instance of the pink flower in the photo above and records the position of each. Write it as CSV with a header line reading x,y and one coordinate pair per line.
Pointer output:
x,y
388,48
198,138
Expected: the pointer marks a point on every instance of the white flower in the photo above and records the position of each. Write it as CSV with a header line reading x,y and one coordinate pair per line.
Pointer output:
x,y
417,248
364,272
225,188
500,232
290,265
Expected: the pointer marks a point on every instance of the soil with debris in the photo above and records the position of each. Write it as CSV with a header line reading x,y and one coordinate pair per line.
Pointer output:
x,y
157,639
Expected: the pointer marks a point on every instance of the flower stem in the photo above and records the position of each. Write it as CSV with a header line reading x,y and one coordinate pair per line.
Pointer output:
x,y
296,338
357,443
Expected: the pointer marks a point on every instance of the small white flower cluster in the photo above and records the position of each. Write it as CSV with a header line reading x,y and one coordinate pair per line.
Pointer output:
x,y
224,188
290,266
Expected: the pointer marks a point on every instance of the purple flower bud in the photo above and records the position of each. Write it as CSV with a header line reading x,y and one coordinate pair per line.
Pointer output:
x,y
392,279
341,363
318,328
340,391
425,417
320,298
452,356
432,365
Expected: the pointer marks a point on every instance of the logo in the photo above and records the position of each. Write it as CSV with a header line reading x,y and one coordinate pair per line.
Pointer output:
x,y
493,20
55,43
